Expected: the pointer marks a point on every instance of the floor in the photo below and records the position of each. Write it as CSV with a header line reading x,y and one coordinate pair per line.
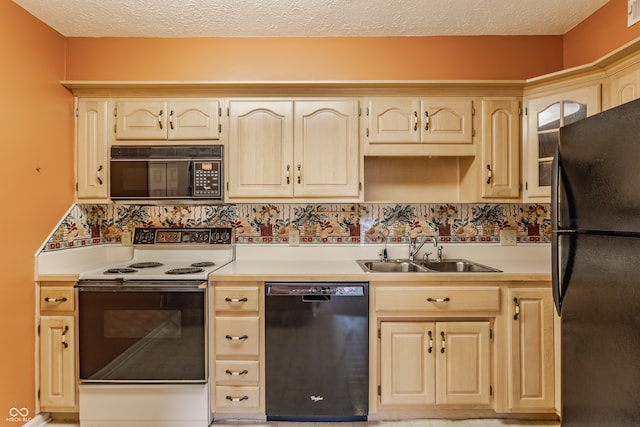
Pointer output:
x,y
411,423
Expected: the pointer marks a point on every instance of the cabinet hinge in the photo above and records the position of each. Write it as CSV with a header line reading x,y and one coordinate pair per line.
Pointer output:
x,y
115,111
76,187
490,334
367,132
490,390
219,111
473,131
115,128
359,112
473,109
38,329
379,333
227,111
38,394
526,111
360,186
526,185
219,128
227,185
77,112
520,111
367,111
379,391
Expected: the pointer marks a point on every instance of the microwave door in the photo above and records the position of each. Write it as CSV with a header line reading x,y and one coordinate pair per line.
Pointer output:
x,y
157,179
177,177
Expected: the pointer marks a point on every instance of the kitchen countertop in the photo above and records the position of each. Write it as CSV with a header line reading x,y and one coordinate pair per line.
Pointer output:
x,y
526,263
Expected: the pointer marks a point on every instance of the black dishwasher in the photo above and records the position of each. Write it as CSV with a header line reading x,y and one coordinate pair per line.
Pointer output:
x,y
317,351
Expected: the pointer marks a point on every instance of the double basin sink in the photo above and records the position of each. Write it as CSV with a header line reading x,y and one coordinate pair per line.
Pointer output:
x,y
408,266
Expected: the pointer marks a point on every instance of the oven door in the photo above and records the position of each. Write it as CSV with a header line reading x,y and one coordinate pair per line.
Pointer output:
x,y
142,334
156,179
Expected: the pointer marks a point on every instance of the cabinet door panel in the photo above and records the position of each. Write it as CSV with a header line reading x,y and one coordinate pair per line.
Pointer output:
x,y
462,364
393,120
501,148
261,149
531,364
57,363
92,152
447,120
326,149
193,119
407,363
145,119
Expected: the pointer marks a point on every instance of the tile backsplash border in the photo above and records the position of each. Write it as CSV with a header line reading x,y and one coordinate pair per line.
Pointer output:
x,y
271,223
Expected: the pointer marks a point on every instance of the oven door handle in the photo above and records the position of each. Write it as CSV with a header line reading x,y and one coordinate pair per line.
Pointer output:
x,y
125,287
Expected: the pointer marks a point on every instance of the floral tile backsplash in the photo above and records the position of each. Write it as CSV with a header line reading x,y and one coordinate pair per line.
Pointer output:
x,y
91,224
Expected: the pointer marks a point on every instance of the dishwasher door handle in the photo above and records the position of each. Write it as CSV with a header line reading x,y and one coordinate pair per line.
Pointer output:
x,y
316,298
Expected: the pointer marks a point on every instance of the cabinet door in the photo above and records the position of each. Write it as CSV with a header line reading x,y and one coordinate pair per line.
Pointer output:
x,y
624,86
141,119
193,119
393,120
326,148
57,363
447,121
260,149
500,148
407,363
531,363
545,117
463,363
92,159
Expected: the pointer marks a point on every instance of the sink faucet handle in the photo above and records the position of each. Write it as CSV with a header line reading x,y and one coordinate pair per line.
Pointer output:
x,y
426,256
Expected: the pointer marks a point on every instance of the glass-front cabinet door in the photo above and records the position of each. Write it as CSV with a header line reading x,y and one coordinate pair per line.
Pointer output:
x,y
546,115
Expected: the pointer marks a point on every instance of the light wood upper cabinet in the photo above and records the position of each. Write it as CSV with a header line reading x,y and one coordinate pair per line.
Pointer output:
x,y
326,154
177,119
438,126
435,363
260,161
500,148
302,148
545,116
92,157
530,357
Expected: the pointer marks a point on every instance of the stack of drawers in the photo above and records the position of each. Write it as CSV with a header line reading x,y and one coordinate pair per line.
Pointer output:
x,y
238,344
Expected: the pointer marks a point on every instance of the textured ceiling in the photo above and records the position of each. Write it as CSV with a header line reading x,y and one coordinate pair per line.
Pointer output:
x,y
309,18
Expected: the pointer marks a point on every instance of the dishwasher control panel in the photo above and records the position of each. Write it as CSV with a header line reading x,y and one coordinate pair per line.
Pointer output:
x,y
313,288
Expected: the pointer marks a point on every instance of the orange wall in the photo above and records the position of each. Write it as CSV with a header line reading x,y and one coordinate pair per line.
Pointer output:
x,y
355,58
604,31
36,185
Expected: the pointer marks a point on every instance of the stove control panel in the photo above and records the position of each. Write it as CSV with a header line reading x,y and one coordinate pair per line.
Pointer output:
x,y
187,236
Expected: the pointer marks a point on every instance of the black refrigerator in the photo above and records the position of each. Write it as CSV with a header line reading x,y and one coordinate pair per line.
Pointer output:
x,y
596,267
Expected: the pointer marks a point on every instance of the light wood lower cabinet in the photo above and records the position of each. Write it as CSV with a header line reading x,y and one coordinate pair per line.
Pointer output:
x,y
57,350
530,350
435,363
238,342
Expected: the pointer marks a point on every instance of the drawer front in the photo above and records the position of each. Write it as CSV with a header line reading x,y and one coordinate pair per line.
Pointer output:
x,y
238,399
237,372
56,299
240,299
432,299
237,336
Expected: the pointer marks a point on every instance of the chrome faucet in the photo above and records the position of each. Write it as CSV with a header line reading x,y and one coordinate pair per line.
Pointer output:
x,y
414,247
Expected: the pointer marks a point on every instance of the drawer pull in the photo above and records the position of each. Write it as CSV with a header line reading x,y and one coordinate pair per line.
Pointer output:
x,y
227,299
236,374
447,299
243,337
237,399
63,299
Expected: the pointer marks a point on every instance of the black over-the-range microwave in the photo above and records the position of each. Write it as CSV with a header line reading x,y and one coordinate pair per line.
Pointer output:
x,y
145,172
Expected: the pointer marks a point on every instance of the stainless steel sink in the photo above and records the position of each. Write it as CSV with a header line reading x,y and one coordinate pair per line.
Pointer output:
x,y
391,266
407,266
457,266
